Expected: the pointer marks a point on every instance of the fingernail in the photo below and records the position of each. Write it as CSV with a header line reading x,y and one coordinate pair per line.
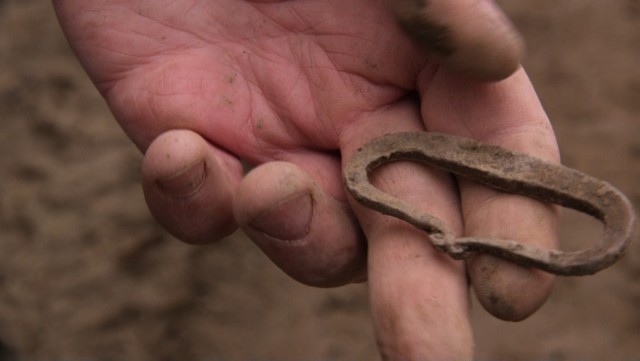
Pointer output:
x,y
185,182
288,220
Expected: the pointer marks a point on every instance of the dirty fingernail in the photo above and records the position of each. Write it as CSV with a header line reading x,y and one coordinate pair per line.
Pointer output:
x,y
185,182
288,220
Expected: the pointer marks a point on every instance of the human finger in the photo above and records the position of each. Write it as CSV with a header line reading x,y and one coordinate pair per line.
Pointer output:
x,y
418,296
188,186
507,114
471,37
309,234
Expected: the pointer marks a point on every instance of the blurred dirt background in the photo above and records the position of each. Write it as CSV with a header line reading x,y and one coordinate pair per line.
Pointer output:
x,y
86,274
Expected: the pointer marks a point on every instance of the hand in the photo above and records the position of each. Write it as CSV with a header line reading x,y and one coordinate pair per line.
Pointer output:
x,y
298,86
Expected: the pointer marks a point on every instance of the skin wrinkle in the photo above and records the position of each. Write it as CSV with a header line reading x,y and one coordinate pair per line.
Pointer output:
x,y
354,79
256,121
365,65
509,128
284,27
400,347
467,213
304,20
308,68
164,25
279,110
164,104
502,132
119,73
194,32
320,113
268,147
141,59
363,41
510,137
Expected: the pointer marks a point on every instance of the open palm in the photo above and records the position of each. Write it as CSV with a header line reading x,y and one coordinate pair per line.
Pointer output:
x,y
200,86
292,74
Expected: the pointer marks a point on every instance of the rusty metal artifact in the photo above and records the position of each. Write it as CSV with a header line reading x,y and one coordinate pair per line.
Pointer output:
x,y
506,171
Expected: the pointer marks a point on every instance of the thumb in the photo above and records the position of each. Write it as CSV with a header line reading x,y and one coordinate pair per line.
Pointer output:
x,y
471,37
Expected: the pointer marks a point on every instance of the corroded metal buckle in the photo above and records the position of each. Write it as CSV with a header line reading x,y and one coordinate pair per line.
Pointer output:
x,y
503,170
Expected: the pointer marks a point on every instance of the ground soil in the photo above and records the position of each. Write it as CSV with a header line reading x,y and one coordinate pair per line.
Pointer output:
x,y
85,272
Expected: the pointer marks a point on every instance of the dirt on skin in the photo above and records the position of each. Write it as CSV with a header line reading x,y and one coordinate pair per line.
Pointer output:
x,y
85,273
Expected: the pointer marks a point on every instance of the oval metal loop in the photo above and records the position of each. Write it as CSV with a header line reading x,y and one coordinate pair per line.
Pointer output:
x,y
506,171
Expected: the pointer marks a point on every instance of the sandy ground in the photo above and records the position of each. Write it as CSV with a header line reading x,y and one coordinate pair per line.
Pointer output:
x,y
85,273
